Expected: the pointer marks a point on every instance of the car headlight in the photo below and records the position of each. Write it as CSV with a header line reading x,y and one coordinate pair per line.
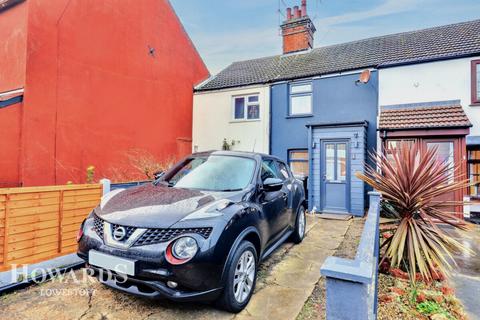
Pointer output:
x,y
185,248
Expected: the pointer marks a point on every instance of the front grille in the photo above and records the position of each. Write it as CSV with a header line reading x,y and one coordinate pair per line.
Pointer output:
x,y
98,226
153,236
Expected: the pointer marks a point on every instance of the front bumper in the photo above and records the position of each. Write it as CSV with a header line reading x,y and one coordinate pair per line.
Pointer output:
x,y
152,289
198,280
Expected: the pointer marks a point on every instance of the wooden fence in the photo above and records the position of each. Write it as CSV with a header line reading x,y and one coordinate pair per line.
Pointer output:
x,y
41,223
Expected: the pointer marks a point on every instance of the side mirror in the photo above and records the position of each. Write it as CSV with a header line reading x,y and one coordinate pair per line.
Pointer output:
x,y
157,175
272,184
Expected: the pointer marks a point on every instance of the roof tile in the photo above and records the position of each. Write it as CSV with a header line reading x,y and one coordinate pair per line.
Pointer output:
x,y
423,117
434,43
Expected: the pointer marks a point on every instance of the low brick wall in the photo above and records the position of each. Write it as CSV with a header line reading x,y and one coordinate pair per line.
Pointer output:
x,y
352,284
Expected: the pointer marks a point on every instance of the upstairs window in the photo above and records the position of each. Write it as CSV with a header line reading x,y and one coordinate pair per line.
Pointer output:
x,y
246,108
300,99
476,82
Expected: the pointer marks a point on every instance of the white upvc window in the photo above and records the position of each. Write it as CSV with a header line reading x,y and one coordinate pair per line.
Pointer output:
x,y
300,99
246,107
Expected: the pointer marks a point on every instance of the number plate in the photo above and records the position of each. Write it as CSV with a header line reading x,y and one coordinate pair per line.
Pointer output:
x,y
106,261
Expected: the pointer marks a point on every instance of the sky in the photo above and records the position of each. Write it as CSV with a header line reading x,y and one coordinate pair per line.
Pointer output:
x,y
225,31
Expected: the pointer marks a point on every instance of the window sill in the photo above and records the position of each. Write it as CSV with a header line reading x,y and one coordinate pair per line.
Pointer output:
x,y
299,116
245,120
476,104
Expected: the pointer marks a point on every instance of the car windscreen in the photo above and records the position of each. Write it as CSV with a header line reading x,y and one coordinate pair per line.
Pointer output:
x,y
215,173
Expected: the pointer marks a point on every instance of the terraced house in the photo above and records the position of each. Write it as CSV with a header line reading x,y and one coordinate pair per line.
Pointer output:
x,y
322,109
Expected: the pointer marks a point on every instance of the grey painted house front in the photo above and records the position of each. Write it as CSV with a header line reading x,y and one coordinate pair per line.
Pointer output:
x,y
334,187
336,134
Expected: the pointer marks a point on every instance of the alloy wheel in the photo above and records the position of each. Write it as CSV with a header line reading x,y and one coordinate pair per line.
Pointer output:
x,y
301,223
244,276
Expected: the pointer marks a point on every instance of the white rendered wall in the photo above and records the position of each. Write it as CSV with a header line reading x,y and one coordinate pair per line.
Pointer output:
x,y
433,81
213,121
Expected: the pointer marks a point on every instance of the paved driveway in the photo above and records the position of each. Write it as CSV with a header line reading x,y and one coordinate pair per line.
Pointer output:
x,y
466,277
285,282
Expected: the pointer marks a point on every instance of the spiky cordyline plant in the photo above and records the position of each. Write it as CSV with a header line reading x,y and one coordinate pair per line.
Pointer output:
x,y
410,184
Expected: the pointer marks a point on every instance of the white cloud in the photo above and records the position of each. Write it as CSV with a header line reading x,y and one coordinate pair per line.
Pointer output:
x,y
386,8
222,48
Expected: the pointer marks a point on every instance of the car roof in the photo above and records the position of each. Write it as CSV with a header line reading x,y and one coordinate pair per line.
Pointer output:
x,y
247,154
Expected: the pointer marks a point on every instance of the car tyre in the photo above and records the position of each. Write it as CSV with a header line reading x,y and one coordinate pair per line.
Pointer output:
x,y
239,283
300,226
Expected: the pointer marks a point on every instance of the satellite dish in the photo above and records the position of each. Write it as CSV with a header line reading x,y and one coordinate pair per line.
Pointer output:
x,y
365,76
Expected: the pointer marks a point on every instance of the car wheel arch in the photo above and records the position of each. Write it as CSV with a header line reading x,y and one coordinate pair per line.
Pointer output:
x,y
250,234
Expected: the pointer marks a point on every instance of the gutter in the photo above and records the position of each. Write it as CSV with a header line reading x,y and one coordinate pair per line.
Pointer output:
x,y
11,93
426,60
9,102
8,98
7,4
339,124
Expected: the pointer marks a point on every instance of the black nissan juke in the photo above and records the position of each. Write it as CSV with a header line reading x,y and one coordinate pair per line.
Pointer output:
x,y
199,231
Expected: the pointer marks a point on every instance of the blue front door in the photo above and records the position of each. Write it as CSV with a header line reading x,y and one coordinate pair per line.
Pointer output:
x,y
335,176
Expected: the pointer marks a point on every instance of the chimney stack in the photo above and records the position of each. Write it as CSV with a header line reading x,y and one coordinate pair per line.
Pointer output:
x,y
297,30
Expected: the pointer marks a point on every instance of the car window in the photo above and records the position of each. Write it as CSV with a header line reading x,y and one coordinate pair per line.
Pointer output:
x,y
283,171
269,170
187,168
217,173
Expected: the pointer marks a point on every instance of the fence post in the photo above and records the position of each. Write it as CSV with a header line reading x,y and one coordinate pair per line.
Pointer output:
x,y
106,183
60,221
5,229
352,284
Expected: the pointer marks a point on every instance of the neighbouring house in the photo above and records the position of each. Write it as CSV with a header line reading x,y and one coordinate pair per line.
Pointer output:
x,y
84,81
324,102
231,118
439,104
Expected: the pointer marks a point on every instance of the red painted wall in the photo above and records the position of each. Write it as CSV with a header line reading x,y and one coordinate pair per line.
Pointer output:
x,y
93,90
13,34
13,40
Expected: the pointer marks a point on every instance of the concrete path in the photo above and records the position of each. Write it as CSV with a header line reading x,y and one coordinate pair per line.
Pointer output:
x,y
285,282
466,278
293,279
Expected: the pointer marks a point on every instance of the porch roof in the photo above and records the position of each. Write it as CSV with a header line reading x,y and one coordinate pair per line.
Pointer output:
x,y
423,116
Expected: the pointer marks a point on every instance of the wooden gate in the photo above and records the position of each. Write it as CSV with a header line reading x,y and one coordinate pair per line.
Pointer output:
x,y
41,223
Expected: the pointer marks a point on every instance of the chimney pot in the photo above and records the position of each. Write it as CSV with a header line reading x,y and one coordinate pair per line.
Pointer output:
x,y
297,12
289,14
304,8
